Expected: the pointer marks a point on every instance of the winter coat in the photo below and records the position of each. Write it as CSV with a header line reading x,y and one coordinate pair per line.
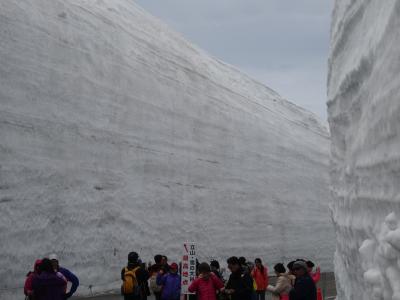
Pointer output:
x,y
154,269
28,290
171,286
49,286
206,289
282,288
218,274
316,278
141,276
304,289
242,283
70,278
260,278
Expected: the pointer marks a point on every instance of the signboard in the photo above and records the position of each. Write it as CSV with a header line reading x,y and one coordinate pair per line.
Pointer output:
x,y
188,266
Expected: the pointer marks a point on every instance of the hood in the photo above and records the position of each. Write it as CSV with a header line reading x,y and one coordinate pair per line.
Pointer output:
x,y
36,265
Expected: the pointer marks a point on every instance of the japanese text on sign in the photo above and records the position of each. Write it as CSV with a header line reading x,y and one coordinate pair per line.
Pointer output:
x,y
188,266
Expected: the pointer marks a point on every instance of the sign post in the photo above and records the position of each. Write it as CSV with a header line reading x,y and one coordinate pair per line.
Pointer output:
x,y
188,266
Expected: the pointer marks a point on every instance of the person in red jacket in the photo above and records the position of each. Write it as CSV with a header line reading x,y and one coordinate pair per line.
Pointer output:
x,y
207,285
316,277
260,277
28,289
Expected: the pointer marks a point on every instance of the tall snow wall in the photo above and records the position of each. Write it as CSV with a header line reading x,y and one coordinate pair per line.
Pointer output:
x,y
364,117
119,135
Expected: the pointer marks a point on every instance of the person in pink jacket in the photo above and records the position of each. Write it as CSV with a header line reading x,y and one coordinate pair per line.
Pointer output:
x,y
207,285
28,289
316,277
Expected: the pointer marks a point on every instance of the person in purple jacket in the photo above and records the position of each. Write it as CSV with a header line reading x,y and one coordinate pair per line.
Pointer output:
x,y
49,285
67,274
171,283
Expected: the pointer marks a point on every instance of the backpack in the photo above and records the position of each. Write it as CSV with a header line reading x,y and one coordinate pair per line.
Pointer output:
x,y
130,285
155,288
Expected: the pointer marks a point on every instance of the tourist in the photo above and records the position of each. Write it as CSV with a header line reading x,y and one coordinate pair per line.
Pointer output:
x,y
316,276
164,264
283,284
66,273
49,284
171,283
240,284
260,276
304,287
244,265
154,270
28,289
290,272
207,285
215,268
134,277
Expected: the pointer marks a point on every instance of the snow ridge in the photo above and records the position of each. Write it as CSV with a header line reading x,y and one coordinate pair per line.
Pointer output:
x,y
363,111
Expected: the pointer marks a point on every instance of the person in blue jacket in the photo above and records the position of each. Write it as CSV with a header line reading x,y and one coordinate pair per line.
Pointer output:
x,y
67,274
171,283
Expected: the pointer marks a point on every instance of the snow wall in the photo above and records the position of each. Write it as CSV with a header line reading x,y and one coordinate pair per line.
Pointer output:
x,y
118,135
364,117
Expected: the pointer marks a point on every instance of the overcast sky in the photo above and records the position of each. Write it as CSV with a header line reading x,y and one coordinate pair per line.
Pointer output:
x,y
282,43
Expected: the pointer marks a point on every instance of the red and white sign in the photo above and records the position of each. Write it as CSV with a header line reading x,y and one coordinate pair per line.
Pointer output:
x,y
188,266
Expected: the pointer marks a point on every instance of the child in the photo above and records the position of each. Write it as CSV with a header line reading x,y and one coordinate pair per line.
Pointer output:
x,y
171,283
207,284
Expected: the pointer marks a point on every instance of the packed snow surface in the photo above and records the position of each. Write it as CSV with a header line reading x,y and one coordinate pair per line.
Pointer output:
x,y
364,117
118,135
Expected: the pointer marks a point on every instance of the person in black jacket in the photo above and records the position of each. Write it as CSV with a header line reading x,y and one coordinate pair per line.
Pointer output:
x,y
154,270
240,284
304,287
216,269
141,276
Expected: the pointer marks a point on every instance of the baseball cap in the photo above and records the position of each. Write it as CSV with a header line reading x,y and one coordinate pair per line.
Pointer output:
x,y
174,266
53,257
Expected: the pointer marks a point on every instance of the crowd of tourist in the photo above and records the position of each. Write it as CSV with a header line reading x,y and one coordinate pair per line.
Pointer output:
x,y
49,281
247,280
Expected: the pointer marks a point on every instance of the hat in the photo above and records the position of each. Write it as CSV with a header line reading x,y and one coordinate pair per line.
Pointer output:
x,y
53,257
300,265
37,264
174,266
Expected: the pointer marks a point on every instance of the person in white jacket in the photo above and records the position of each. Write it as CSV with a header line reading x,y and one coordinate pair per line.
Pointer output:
x,y
283,284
